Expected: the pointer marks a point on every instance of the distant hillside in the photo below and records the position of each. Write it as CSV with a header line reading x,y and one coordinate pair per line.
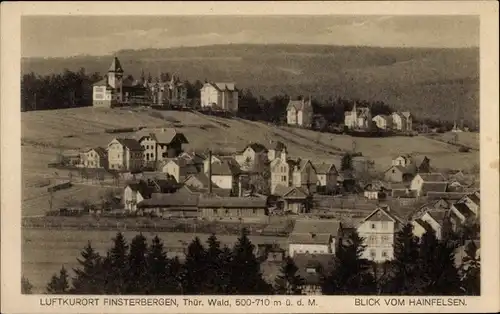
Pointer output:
x,y
436,83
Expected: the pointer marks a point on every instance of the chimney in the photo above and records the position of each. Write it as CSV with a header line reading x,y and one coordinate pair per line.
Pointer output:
x,y
210,172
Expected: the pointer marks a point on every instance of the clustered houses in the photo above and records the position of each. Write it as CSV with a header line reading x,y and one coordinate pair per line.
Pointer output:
x,y
360,118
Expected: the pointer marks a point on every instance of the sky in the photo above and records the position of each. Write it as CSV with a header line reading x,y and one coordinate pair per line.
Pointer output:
x,y
64,36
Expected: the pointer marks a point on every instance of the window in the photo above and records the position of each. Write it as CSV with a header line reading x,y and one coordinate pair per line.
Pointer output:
x,y
283,178
393,171
385,238
254,211
384,254
373,254
373,226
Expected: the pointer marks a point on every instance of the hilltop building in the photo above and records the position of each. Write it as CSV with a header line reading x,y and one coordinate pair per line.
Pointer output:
x,y
358,118
402,121
219,96
113,90
168,93
300,113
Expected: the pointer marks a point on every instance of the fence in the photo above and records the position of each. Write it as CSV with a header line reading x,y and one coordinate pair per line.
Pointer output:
x,y
156,226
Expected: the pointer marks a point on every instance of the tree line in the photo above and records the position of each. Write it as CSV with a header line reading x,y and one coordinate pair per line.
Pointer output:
x,y
423,266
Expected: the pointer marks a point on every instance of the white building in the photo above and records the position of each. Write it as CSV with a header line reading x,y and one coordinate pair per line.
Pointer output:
x,y
222,96
314,236
383,122
378,230
300,113
428,182
358,118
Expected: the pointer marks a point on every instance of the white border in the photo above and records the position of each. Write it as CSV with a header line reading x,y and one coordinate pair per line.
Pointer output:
x,y
14,302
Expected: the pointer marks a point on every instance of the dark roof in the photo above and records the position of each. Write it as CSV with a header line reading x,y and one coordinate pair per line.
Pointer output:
x,y
324,168
161,135
437,215
257,147
474,198
130,144
298,104
403,170
103,82
317,226
432,177
279,146
233,202
202,178
164,200
221,86
225,168
323,263
115,66
463,209
433,195
424,224
391,213
290,191
101,151
404,193
142,187
433,187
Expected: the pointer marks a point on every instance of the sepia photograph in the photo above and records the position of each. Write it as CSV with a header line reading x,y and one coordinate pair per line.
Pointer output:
x,y
264,154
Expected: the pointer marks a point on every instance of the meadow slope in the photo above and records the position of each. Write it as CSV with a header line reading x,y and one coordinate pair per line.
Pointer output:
x,y
436,83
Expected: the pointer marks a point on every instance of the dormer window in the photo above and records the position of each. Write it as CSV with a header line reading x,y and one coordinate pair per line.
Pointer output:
x,y
311,270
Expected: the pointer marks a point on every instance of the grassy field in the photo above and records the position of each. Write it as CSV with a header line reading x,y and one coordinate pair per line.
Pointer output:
x,y
45,251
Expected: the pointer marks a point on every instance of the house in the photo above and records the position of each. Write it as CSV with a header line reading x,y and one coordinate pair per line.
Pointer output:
x,y
179,168
276,151
403,193
226,174
403,160
197,159
431,220
219,96
113,89
327,177
281,170
215,208
314,236
398,174
382,121
176,205
428,182
313,268
468,206
304,175
253,157
160,143
299,112
376,190
134,193
402,121
125,154
293,199
95,158
423,164
358,118
198,181
169,92
71,158
378,230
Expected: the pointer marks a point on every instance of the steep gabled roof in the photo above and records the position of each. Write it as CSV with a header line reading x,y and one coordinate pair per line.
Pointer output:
x,y
432,177
130,144
103,82
298,104
223,86
424,224
316,226
142,187
433,187
388,212
233,202
325,168
115,66
290,192
257,147
101,151
463,209
161,135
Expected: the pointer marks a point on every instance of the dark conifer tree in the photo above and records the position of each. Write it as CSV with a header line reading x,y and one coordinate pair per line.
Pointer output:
x,y
175,277
406,277
137,275
89,277
352,274
116,266
246,277
217,276
59,284
157,262
289,282
194,269
470,271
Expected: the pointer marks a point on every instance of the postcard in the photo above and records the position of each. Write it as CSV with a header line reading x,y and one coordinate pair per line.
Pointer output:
x,y
234,157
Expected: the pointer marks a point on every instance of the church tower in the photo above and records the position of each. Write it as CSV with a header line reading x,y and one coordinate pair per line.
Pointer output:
x,y
115,79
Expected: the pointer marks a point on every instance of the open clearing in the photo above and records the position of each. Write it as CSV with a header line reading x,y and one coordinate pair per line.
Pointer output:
x,y
45,251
